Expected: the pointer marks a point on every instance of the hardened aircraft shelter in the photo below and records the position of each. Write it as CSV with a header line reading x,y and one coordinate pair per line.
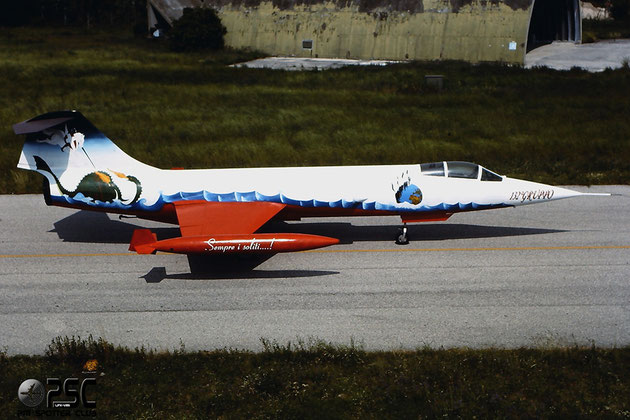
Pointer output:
x,y
469,30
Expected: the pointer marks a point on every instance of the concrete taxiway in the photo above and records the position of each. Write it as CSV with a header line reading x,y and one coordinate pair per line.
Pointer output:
x,y
550,274
301,63
593,57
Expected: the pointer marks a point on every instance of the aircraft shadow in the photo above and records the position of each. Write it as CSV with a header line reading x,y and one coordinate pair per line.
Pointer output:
x,y
96,227
348,233
157,274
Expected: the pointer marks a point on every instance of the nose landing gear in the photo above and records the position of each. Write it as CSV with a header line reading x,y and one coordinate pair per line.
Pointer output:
x,y
402,238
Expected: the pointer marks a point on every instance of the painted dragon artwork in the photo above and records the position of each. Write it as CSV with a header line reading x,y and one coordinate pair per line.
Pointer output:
x,y
98,185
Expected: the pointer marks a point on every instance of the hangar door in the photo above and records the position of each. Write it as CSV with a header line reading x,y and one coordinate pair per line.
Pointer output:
x,y
554,20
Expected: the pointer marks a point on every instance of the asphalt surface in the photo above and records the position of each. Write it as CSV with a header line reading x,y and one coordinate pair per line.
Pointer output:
x,y
550,274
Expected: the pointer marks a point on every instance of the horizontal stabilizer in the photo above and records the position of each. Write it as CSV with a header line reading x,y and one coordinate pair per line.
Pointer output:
x,y
142,241
35,126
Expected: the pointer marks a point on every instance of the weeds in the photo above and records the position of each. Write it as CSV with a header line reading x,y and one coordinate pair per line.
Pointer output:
x,y
77,350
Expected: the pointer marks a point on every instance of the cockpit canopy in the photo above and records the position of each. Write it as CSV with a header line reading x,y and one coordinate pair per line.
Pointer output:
x,y
454,169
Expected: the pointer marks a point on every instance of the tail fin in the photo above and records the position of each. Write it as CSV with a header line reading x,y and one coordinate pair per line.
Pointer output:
x,y
68,150
42,166
66,139
141,241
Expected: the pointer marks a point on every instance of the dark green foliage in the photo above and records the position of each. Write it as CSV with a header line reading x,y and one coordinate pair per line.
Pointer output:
x,y
315,379
111,13
197,29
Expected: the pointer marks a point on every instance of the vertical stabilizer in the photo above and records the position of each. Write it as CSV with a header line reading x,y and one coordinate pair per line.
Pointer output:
x,y
82,165
66,139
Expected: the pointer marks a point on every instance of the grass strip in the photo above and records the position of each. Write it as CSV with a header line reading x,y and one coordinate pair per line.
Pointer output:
x,y
315,379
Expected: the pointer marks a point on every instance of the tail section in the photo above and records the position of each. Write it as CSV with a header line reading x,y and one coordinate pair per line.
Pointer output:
x,y
66,139
82,165
42,166
141,241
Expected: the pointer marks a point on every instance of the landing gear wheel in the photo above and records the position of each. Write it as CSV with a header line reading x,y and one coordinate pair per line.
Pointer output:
x,y
402,238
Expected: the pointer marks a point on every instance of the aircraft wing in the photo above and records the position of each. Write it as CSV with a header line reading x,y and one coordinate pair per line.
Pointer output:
x,y
226,228
203,218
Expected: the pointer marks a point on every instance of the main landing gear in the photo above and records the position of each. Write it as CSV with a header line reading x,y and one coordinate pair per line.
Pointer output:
x,y
402,238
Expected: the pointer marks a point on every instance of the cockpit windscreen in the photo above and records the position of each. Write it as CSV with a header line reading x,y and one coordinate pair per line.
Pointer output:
x,y
462,170
432,169
456,169
487,175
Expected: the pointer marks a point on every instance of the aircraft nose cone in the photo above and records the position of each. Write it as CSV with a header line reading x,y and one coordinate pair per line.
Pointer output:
x,y
559,192
527,192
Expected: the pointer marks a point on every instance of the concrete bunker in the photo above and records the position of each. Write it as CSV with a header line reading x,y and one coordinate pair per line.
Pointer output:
x,y
468,30
554,20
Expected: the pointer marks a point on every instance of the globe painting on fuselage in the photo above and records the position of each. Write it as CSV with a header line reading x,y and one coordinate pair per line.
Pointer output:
x,y
407,192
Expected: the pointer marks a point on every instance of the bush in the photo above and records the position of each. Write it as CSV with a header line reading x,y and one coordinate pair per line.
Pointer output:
x,y
197,29
71,12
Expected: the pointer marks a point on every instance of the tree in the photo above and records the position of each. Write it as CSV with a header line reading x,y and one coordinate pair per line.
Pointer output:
x,y
197,29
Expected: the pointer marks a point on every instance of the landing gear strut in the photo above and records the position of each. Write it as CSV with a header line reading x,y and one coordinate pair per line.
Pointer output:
x,y
402,238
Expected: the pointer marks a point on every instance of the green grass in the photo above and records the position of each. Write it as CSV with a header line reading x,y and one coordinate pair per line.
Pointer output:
x,y
320,380
191,110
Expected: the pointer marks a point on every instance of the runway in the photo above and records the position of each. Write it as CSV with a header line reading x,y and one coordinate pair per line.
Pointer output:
x,y
548,274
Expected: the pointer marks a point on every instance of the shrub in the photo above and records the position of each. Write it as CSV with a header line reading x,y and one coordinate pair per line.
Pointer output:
x,y
76,349
197,29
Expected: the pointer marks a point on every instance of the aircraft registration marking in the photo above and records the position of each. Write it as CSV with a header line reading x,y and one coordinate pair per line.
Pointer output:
x,y
523,196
